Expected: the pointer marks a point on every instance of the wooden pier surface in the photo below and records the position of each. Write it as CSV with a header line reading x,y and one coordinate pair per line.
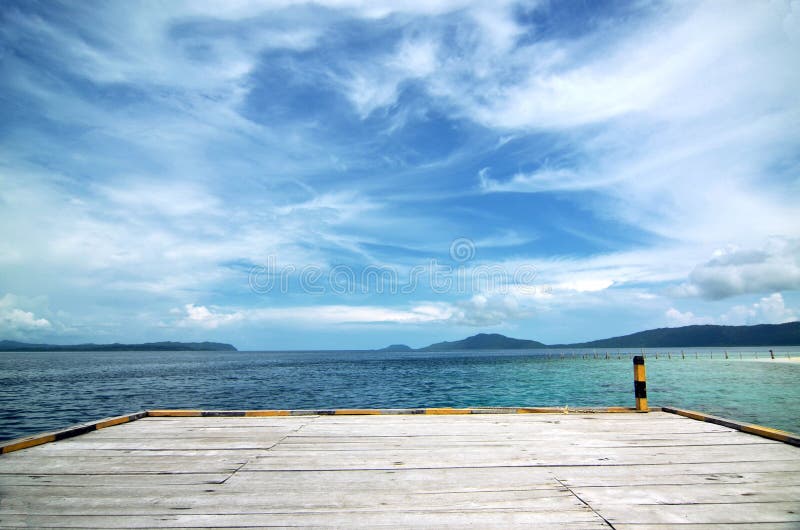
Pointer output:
x,y
623,471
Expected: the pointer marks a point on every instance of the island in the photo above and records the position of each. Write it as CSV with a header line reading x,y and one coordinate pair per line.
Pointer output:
x,y
14,346
397,348
485,341
787,334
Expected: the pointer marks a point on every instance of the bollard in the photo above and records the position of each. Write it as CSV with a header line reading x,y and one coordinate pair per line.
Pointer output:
x,y
639,383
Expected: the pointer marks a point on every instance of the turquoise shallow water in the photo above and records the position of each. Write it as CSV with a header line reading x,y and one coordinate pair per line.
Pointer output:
x,y
43,391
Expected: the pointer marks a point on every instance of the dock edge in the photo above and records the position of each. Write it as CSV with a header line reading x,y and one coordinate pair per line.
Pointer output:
x,y
750,428
69,432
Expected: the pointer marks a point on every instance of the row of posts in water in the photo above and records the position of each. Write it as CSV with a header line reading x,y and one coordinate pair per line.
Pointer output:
x,y
670,355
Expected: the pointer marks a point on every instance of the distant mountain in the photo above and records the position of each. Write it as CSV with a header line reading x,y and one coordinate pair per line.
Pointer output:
x,y
484,341
787,334
397,347
10,345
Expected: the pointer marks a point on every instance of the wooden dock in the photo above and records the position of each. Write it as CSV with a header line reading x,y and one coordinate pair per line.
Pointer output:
x,y
595,470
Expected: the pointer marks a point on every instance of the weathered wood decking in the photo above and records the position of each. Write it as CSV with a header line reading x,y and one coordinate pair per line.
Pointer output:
x,y
623,471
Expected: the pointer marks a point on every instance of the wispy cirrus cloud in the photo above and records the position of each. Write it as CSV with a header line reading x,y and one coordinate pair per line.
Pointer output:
x,y
152,156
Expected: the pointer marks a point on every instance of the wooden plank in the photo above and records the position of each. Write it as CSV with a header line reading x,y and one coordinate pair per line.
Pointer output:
x,y
651,477
291,501
707,493
424,443
597,441
322,459
710,526
262,442
737,513
83,465
413,481
100,482
427,519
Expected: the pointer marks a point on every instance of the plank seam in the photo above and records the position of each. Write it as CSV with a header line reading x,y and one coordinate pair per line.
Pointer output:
x,y
584,502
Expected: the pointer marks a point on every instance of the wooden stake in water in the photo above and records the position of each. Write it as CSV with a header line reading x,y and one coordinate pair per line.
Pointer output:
x,y
771,355
682,355
726,355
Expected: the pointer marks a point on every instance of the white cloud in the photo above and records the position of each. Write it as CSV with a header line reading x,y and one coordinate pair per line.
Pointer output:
x,y
477,311
209,318
174,199
375,84
733,271
317,315
691,115
768,310
687,318
16,322
543,180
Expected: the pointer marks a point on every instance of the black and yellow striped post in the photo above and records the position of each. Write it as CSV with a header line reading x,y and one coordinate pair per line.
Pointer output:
x,y
640,383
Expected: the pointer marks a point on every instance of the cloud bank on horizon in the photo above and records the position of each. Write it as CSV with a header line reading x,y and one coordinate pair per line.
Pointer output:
x,y
348,174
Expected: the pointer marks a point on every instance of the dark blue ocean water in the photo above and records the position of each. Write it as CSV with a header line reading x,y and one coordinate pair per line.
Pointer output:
x,y
45,391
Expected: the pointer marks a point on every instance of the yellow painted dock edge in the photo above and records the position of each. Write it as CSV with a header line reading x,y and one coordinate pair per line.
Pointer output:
x,y
179,413
83,428
750,428
69,432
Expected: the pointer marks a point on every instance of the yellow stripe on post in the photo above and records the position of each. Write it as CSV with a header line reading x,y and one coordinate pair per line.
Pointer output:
x,y
639,383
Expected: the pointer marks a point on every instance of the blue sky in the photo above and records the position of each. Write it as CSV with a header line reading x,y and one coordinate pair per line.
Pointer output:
x,y
346,174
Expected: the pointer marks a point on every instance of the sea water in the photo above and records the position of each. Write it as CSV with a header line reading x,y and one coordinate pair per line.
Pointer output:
x,y
41,391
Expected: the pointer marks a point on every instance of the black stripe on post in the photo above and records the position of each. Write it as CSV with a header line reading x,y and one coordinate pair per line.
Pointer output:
x,y
638,359
640,389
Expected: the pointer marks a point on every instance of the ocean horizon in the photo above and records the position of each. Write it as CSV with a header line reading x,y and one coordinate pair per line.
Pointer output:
x,y
43,391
